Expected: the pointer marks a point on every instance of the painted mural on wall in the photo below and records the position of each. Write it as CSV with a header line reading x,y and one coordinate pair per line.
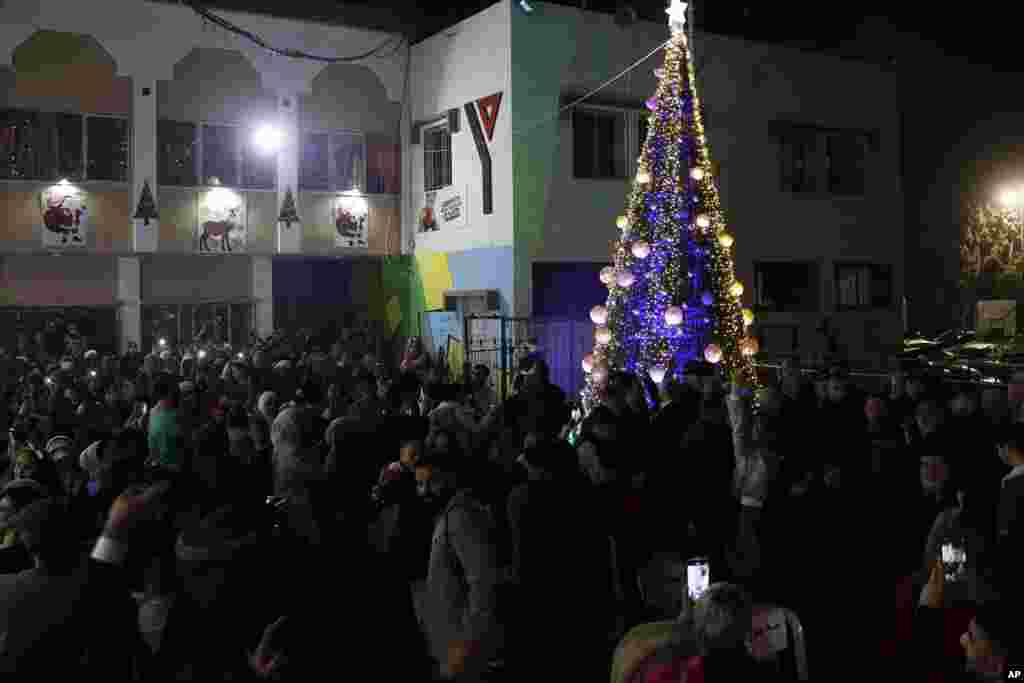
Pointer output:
x,y
351,216
221,226
444,208
65,217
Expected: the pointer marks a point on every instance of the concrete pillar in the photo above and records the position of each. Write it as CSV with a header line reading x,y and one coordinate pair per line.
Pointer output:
x,y
145,238
289,238
129,298
263,294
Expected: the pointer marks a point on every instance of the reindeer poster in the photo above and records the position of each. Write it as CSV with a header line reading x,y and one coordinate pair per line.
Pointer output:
x,y
65,218
351,215
221,227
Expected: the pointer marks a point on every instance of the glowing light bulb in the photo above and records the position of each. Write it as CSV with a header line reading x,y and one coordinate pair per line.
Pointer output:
x,y
703,221
697,174
736,289
641,249
657,374
607,275
163,342
726,240
602,335
621,222
673,316
625,278
599,315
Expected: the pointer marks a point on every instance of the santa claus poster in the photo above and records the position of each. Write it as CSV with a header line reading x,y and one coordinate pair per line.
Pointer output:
x,y
351,215
65,217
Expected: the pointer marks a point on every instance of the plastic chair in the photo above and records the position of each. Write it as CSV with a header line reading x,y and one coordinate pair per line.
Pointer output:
x,y
788,648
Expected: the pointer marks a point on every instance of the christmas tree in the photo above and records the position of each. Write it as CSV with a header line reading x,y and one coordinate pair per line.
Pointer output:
x,y
146,210
673,295
289,214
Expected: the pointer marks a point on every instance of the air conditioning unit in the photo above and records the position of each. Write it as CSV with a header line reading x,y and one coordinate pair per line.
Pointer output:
x,y
473,301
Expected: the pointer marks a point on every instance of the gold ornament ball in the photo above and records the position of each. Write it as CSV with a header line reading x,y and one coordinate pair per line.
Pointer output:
x,y
749,346
697,174
726,240
621,222
748,316
703,221
737,289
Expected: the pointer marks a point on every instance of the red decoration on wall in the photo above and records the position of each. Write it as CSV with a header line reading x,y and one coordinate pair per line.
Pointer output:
x,y
488,107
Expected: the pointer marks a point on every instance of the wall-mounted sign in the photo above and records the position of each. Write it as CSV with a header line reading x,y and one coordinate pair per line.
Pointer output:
x,y
445,208
221,226
65,217
351,215
489,107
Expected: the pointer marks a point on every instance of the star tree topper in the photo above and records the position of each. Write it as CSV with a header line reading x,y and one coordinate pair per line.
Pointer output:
x,y
677,16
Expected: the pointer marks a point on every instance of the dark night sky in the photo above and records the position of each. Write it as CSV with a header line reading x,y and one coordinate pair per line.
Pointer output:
x,y
975,34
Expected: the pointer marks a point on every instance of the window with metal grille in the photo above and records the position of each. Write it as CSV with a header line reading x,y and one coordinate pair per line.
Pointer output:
x,y
786,286
332,161
607,141
36,145
437,158
862,285
822,161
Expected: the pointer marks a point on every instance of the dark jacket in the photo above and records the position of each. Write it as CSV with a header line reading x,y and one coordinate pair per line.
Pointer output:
x,y
53,624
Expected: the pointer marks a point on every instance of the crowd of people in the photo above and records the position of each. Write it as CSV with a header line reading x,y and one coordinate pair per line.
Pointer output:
x,y
280,511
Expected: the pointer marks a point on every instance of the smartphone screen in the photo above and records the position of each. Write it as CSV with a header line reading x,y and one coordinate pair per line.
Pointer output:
x,y
698,577
954,561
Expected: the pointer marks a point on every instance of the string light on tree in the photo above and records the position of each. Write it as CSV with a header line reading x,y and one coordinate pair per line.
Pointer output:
x,y
674,246
625,278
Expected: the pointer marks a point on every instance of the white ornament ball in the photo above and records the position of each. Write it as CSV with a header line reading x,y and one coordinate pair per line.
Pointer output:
x,y
707,298
599,315
641,249
588,363
657,374
703,221
697,174
713,354
673,316
602,335
607,275
625,278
